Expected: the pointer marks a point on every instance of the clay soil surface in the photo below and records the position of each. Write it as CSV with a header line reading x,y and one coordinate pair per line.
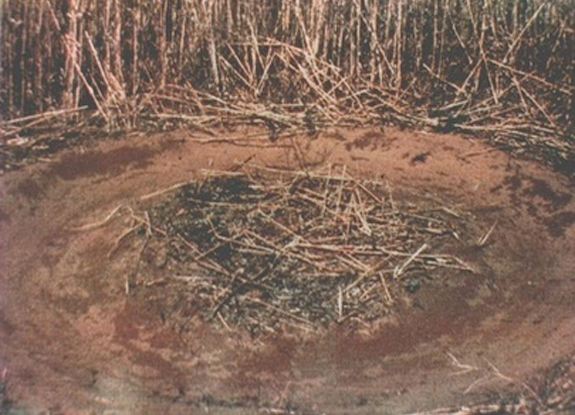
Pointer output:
x,y
73,341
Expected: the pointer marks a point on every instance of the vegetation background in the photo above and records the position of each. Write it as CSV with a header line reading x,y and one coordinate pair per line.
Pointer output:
x,y
505,68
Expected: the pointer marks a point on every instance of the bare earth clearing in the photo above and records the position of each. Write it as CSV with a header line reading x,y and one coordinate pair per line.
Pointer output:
x,y
73,341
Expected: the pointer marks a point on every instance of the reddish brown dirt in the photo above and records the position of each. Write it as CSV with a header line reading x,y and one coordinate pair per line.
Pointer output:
x,y
73,342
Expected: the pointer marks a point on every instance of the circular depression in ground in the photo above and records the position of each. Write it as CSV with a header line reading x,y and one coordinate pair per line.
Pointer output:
x,y
269,250
101,311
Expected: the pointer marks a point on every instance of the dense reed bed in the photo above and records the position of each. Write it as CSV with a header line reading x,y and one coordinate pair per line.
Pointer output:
x,y
503,67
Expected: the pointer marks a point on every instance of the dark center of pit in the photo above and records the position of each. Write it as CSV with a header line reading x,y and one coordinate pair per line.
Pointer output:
x,y
267,251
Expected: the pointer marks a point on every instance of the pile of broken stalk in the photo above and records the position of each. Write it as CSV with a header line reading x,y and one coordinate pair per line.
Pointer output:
x,y
266,250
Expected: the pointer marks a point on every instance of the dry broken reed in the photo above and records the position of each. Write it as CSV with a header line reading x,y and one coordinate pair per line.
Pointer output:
x,y
553,393
502,67
265,250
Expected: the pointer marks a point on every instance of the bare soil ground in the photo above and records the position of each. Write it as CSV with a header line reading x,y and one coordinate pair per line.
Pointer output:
x,y
73,342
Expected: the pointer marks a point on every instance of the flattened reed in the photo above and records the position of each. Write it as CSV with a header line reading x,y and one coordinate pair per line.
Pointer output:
x,y
267,250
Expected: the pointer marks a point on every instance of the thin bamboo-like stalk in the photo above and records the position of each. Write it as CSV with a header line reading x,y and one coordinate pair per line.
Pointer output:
x,y
69,39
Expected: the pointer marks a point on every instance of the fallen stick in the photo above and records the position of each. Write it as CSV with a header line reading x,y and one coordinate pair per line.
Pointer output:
x,y
121,238
164,191
483,240
397,272
385,288
97,224
44,116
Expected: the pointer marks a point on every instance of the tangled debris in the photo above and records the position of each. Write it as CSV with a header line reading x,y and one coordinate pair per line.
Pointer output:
x,y
269,249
